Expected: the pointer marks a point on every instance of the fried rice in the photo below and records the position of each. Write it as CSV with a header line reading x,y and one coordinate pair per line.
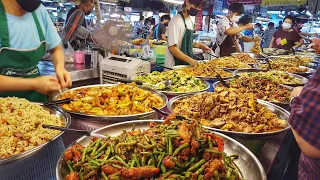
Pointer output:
x,y
21,126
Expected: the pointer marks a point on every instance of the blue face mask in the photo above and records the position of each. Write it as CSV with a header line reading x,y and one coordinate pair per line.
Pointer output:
x,y
193,11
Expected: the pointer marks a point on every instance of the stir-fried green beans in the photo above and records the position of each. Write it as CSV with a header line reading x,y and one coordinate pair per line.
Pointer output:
x,y
177,151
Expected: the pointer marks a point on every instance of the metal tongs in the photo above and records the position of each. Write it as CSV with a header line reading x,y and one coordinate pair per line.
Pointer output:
x,y
84,132
222,81
53,103
179,117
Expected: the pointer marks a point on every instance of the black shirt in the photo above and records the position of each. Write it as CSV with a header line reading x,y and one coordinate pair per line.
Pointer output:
x,y
161,30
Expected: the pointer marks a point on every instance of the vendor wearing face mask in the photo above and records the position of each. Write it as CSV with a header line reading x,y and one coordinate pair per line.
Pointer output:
x,y
228,32
287,37
25,35
180,36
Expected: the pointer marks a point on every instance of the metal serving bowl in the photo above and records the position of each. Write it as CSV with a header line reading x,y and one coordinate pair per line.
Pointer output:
x,y
53,110
206,78
281,104
301,78
309,72
280,112
171,93
253,55
118,118
248,164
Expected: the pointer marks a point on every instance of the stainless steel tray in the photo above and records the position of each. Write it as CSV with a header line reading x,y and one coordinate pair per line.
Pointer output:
x,y
281,104
206,78
248,164
309,72
171,93
301,78
280,112
53,110
253,55
117,118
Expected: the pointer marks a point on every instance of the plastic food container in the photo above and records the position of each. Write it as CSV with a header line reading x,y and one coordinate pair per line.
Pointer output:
x,y
79,57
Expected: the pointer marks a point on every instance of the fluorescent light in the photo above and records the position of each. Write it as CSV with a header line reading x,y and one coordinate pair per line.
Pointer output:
x,y
108,3
51,8
174,1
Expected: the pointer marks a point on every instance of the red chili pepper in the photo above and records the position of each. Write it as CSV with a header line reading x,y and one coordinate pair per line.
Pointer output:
x,y
219,141
220,144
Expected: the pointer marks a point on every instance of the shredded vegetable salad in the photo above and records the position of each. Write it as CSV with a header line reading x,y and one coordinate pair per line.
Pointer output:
x,y
176,150
181,81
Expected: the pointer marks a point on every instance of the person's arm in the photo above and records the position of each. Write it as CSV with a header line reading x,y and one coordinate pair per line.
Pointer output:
x,y
271,43
305,147
58,63
236,30
308,34
246,39
53,43
43,84
176,52
300,43
149,36
163,37
201,46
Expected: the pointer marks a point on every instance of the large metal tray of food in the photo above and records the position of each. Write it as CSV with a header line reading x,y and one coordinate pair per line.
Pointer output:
x,y
299,70
274,51
182,83
210,74
232,122
252,55
123,104
166,159
271,95
280,77
22,134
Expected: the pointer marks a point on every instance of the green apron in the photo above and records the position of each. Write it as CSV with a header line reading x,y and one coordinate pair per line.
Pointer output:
x,y
20,63
186,45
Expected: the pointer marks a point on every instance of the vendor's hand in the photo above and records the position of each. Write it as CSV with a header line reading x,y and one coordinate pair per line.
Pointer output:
x,y
193,63
64,77
249,26
205,48
46,84
296,91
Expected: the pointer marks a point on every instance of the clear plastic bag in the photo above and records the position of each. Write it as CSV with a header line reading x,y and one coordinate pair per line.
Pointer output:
x,y
68,53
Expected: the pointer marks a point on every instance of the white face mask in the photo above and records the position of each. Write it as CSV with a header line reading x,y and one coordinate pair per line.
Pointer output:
x,y
235,18
286,25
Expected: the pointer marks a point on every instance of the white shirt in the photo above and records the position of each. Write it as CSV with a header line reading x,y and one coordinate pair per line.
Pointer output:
x,y
176,30
222,26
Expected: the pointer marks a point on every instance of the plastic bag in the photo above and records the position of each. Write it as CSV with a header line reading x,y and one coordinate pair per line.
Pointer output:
x,y
68,53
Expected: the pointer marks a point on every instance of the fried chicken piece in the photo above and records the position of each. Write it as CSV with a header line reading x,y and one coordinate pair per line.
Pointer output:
x,y
73,176
167,162
213,165
138,173
183,131
108,169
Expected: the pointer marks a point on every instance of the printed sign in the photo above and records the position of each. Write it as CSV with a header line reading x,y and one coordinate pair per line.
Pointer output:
x,y
282,2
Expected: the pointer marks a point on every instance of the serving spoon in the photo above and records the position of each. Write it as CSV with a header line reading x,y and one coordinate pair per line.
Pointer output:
x,y
166,83
84,132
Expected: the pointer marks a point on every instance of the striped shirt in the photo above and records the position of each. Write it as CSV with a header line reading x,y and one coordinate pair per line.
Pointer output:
x,y
267,37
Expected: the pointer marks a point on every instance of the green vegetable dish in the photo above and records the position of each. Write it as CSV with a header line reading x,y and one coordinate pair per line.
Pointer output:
x,y
176,150
181,81
277,76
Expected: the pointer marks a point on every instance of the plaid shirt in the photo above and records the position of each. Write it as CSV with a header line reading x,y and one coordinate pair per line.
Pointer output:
x,y
305,120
